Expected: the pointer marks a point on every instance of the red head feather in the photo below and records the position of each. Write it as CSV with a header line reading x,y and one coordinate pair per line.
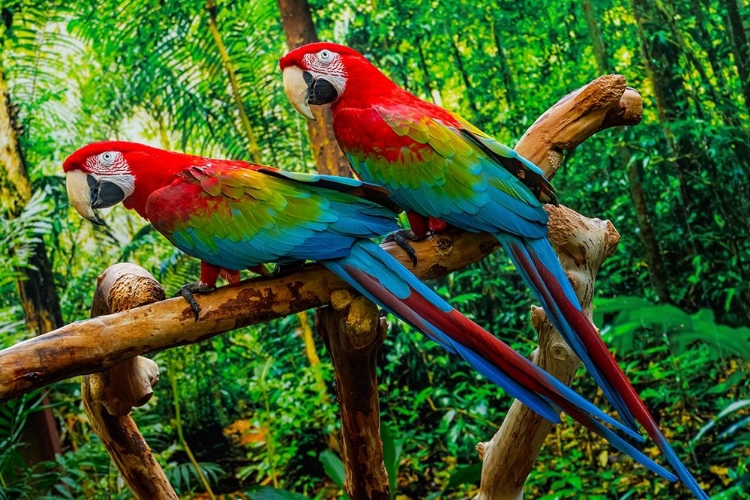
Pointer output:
x,y
151,168
364,83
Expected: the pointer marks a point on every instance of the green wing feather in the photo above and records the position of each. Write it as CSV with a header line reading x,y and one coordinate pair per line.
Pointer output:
x,y
236,217
452,173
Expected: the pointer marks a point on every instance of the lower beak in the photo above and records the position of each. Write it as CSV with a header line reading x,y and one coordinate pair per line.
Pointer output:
x,y
296,90
86,193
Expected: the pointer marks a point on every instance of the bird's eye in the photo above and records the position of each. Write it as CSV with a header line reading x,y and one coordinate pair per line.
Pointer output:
x,y
325,56
107,158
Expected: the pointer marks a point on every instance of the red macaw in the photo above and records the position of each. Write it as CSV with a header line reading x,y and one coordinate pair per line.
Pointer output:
x,y
234,215
444,171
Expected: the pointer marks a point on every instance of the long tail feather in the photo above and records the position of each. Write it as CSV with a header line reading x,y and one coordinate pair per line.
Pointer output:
x,y
540,268
382,279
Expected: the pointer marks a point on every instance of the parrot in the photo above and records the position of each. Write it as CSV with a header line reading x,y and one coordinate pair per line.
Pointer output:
x,y
443,171
234,215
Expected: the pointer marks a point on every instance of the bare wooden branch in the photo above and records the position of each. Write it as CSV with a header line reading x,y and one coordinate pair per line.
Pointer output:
x,y
353,332
100,343
109,396
582,244
606,102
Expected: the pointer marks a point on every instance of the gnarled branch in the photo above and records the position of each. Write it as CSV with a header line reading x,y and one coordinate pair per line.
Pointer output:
x,y
99,343
109,396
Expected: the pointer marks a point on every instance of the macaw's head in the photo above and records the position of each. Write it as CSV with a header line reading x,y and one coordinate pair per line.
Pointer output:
x,y
327,73
106,173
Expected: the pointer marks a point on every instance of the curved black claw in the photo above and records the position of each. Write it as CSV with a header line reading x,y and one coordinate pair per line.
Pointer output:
x,y
187,291
402,237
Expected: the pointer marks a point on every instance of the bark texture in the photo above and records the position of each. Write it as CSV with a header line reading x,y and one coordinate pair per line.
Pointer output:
x,y
582,244
296,19
109,396
353,332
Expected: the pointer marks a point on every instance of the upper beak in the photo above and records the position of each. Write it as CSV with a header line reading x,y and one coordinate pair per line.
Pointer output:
x,y
86,193
296,89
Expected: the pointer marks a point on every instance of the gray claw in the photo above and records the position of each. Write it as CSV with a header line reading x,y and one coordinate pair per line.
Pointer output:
x,y
187,291
402,237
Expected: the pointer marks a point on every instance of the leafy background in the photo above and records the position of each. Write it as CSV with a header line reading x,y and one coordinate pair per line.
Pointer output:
x,y
259,414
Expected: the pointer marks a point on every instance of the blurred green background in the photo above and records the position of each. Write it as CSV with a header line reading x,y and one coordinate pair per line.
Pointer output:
x,y
258,413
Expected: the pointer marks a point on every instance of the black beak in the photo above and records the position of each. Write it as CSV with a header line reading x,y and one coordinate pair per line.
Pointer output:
x,y
104,194
319,91
86,193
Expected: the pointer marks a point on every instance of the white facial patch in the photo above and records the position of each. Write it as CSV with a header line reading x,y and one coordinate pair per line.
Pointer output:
x,y
112,167
327,65
108,163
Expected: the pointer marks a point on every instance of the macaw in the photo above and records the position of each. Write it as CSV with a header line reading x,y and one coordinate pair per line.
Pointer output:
x,y
234,215
444,171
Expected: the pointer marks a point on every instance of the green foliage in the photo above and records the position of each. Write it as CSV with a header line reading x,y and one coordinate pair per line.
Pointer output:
x,y
635,314
21,234
253,409
15,479
185,479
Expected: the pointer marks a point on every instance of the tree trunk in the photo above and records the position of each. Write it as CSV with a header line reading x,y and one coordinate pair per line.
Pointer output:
x,y
464,75
36,288
433,92
662,64
511,97
638,196
595,35
299,28
354,365
648,237
353,332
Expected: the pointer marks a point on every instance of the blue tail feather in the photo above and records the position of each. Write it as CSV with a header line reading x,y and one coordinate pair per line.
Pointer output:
x,y
513,246
382,279
539,252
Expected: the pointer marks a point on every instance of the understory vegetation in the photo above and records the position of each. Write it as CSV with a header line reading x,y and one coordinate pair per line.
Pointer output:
x,y
256,410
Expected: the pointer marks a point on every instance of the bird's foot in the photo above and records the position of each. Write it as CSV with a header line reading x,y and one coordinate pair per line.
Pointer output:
x,y
402,237
187,291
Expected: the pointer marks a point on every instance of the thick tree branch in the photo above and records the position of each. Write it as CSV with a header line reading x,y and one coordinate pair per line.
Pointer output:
x,y
100,343
353,332
109,396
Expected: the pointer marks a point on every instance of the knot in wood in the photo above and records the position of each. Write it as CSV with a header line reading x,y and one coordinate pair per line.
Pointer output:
x,y
561,352
362,322
537,317
443,245
130,291
340,299
481,448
